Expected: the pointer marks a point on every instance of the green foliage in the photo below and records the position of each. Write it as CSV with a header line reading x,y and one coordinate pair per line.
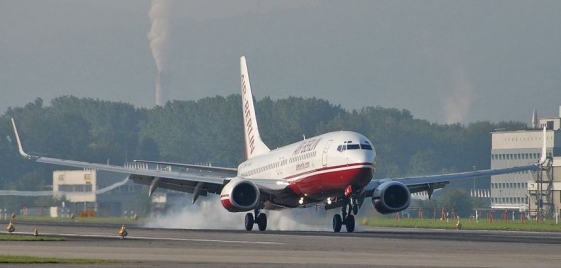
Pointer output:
x,y
452,199
211,130
30,259
30,237
459,201
467,224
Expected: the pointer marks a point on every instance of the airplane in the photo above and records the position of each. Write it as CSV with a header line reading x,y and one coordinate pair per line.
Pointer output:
x,y
335,170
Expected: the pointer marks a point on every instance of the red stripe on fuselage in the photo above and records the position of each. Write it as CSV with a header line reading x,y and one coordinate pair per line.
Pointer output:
x,y
325,182
329,169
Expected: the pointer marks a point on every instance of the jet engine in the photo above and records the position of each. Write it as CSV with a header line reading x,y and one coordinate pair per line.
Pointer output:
x,y
239,195
391,196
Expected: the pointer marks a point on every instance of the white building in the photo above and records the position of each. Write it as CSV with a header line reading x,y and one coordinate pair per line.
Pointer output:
x,y
104,193
514,148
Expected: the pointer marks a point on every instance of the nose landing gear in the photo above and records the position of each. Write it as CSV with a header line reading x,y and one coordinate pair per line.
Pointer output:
x,y
348,219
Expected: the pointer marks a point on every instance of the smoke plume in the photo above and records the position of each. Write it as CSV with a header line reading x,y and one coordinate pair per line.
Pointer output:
x,y
208,213
159,39
457,102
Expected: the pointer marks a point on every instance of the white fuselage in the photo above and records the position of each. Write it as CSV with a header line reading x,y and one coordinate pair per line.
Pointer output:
x,y
317,167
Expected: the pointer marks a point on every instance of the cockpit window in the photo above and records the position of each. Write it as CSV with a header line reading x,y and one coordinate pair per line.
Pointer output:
x,y
353,147
350,146
366,147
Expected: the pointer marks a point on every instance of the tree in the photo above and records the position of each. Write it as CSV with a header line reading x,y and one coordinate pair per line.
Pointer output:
x,y
458,199
211,130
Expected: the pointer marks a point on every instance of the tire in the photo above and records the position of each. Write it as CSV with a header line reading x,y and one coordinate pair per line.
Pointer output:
x,y
350,223
249,221
337,223
261,221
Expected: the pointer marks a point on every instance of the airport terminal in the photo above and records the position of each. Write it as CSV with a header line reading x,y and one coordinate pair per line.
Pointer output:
x,y
536,193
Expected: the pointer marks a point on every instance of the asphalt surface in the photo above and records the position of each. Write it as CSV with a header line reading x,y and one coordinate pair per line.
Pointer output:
x,y
373,247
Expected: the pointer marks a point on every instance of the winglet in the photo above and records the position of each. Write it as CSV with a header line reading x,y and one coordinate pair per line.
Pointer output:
x,y
19,141
544,151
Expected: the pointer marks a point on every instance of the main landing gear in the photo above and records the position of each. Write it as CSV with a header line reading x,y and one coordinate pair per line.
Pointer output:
x,y
260,220
348,219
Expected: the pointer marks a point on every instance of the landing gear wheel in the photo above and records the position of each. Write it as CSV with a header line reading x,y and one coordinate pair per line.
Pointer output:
x,y
337,223
249,221
350,223
261,221
355,209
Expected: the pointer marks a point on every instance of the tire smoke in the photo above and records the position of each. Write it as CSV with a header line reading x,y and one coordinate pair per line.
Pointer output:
x,y
208,213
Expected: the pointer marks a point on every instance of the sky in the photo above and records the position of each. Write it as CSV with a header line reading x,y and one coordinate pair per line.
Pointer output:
x,y
445,61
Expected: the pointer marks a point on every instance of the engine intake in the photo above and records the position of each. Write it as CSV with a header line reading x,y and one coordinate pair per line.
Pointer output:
x,y
240,195
392,196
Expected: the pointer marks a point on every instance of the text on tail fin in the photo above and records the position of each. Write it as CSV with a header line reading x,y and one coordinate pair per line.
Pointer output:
x,y
253,143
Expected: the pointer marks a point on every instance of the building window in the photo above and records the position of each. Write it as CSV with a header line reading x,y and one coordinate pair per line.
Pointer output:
x,y
81,188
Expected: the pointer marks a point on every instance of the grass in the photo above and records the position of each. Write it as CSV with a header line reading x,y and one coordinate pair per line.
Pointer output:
x,y
18,237
79,219
549,226
483,224
29,259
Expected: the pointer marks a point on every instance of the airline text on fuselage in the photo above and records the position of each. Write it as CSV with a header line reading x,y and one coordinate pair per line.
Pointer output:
x,y
307,146
302,166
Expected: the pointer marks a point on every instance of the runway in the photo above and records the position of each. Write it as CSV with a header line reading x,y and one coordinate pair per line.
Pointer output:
x,y
373,247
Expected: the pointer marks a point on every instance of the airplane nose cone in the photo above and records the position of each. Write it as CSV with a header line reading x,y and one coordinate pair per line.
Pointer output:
x,y
362,156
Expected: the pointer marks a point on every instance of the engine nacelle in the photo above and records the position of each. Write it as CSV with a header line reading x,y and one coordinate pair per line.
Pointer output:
x,y
239,195
391,196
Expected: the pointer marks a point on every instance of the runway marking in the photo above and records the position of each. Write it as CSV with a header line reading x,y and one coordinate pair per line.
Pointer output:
x,y
166,239
210,240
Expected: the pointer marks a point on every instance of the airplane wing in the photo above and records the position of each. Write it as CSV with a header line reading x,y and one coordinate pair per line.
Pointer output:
x,y
191,180
430,183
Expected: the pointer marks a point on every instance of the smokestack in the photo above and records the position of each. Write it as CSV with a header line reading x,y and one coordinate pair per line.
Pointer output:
x,y
159,39
535,122
159,88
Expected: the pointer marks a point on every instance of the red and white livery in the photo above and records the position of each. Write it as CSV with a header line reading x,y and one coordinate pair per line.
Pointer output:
x,y
334,169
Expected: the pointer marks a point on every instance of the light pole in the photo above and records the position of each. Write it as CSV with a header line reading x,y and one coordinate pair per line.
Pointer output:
x,y
474,182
